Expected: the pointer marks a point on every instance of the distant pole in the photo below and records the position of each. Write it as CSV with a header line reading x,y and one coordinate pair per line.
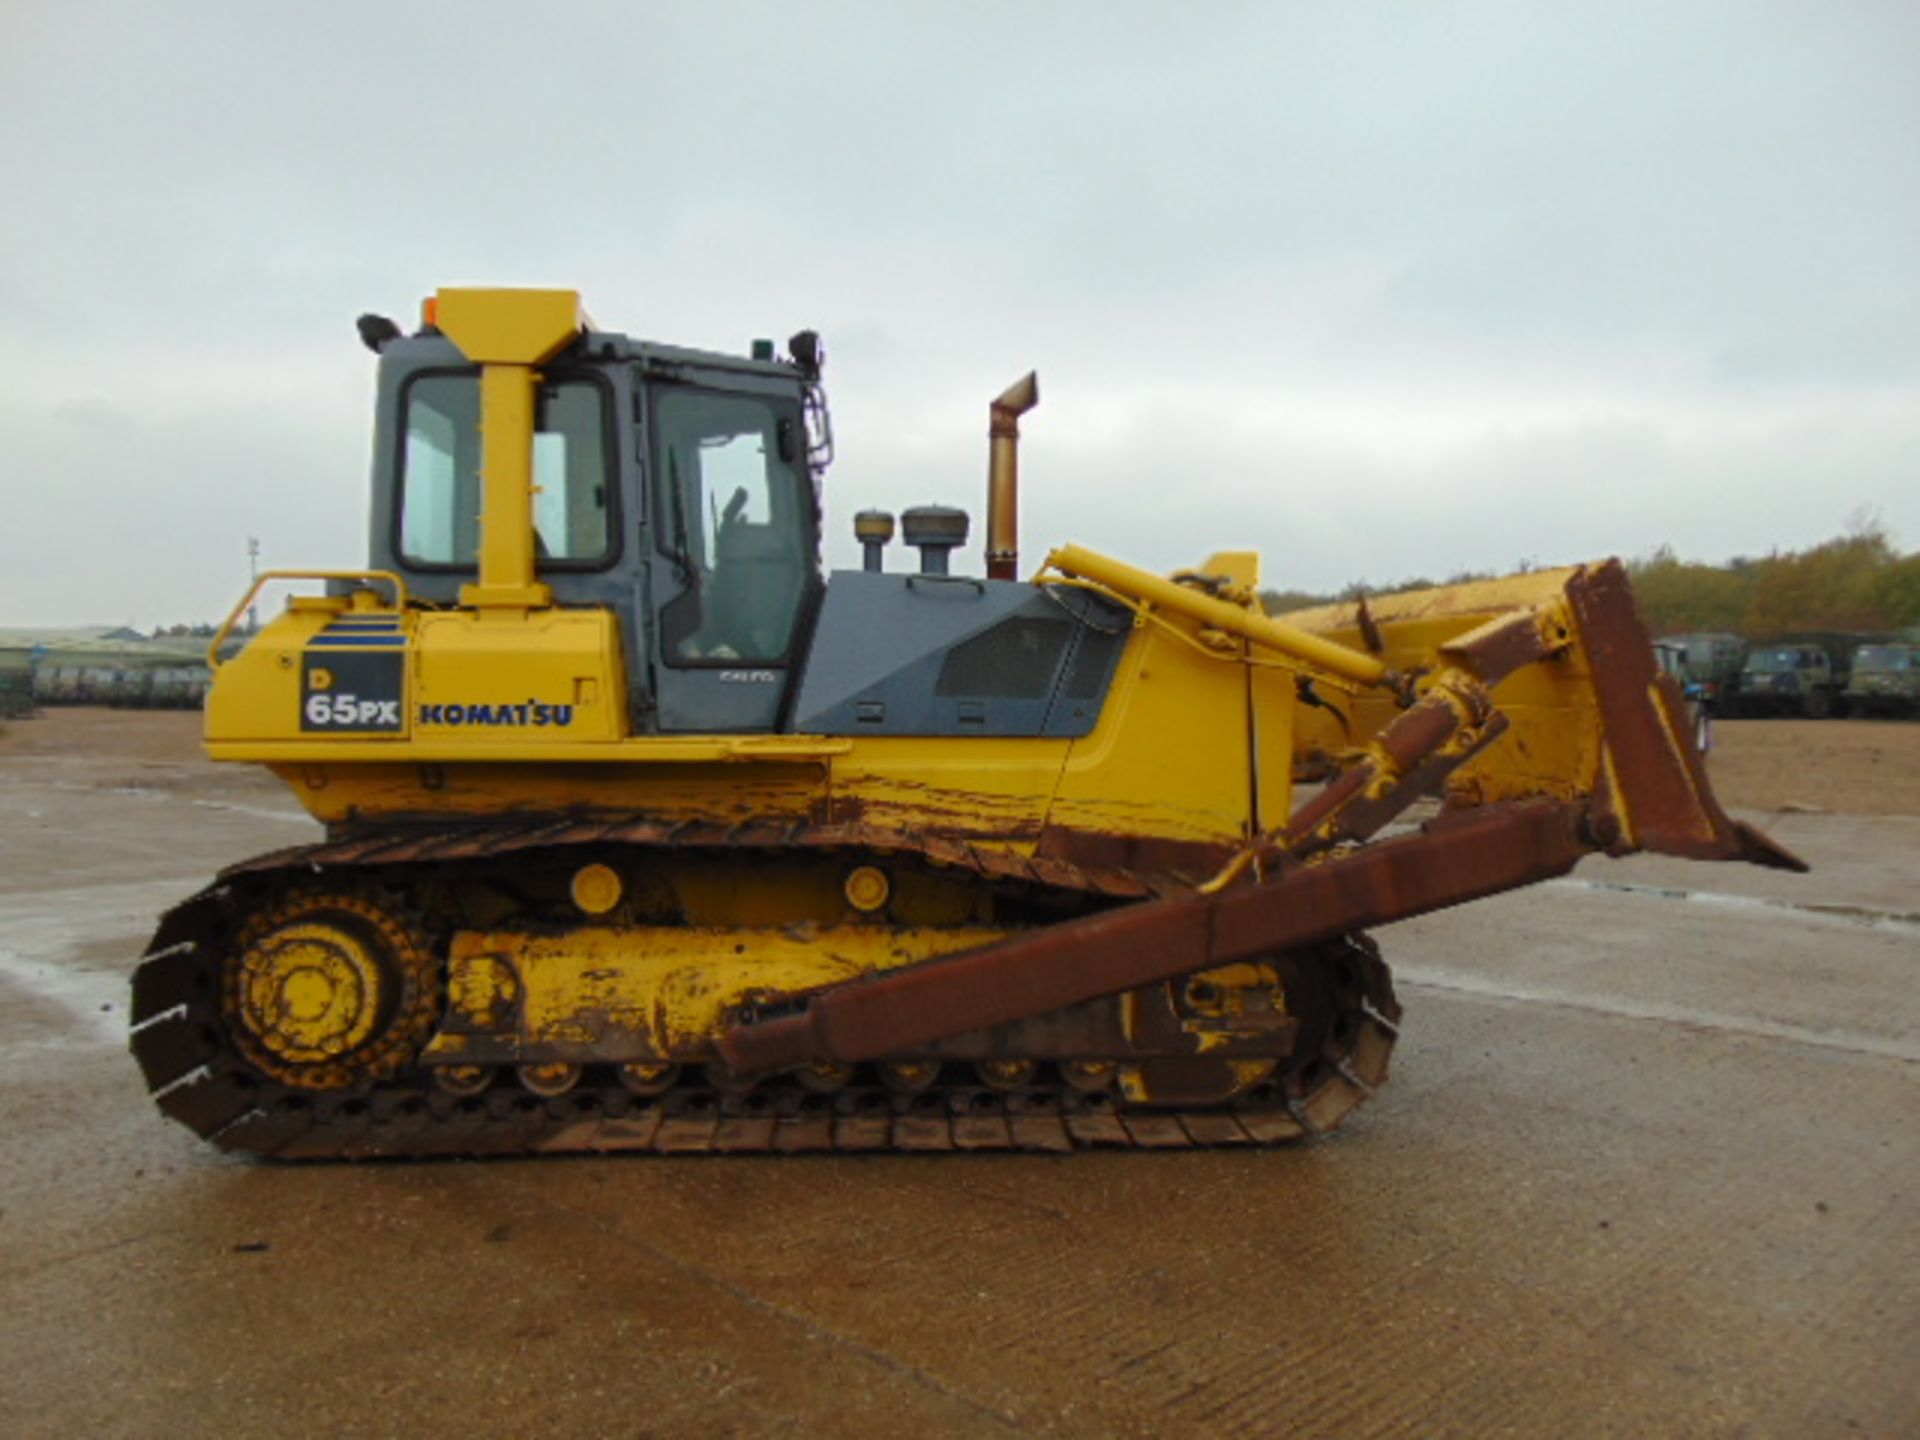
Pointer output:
x,y
253,578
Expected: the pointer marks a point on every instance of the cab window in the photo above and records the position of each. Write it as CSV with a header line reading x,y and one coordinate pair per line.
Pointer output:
x,y
440,491
735,525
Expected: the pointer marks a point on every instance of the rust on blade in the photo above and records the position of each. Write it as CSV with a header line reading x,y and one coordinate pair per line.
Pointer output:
x,y
1365,817
1498,648
1657,772
1475,855
1369,631
1416,754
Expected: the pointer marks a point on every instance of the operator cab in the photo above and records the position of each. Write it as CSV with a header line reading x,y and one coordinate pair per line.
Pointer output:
x,y
676,488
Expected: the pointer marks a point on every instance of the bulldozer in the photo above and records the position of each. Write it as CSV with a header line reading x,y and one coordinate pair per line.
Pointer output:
x,y
644,833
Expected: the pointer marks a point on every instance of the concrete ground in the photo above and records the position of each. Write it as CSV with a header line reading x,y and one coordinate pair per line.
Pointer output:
x,y
1650,1165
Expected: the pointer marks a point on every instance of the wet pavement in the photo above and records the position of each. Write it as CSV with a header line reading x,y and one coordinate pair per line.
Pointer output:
x,y
1650,1164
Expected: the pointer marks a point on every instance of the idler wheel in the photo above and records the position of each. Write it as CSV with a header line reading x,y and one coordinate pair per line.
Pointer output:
x,y
329,990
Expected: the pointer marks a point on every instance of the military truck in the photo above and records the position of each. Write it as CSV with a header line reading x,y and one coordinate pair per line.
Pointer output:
x,y
1708,666
1672,660
1804,675
1885,680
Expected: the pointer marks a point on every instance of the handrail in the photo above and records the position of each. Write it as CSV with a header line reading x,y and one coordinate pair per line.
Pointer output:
x,y
226,627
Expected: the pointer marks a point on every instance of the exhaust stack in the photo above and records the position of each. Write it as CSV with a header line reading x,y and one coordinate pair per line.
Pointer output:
x,y
1003,475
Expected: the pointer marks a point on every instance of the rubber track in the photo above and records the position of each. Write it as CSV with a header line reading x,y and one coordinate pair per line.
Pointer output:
x,y
198,1080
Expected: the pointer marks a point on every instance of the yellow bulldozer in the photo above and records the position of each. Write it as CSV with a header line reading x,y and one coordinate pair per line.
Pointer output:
x,y
643,833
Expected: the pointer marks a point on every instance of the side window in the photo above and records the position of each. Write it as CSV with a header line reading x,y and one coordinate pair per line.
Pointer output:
x,y
440,489
440,471
736,527
570,473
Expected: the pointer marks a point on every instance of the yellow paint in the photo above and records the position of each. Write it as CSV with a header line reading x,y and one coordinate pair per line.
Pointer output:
x,y
508,333
310,992
1244,619
481,781
1554,740
644,994
596,889
509,327
988,787
505,560
560,665
1170,757
328,605
867,888
1240,568
522,667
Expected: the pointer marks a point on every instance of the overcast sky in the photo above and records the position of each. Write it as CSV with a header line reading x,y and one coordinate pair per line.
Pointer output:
x,y
1380,290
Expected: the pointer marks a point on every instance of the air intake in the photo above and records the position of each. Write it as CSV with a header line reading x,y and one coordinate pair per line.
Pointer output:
x,y
934,530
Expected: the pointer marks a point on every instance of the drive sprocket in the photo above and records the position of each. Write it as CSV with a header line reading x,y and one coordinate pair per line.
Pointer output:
x,y
329,989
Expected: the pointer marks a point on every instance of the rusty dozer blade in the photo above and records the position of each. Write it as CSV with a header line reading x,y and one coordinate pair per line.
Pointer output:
x,y
1533,704
1558,667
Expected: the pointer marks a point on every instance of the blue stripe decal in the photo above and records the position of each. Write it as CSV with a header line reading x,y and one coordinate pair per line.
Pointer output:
x,y
364,625
365,642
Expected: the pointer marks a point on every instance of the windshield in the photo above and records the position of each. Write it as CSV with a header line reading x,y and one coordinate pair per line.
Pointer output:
x,y
736,525
1883,657
1767,662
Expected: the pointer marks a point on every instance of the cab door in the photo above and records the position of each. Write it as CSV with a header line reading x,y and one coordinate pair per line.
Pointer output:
x,y
736,573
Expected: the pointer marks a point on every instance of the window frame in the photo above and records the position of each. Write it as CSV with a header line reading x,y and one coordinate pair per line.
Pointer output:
x,y
542,565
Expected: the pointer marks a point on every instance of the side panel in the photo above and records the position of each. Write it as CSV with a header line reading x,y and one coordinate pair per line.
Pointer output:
x,y
264,692
540,676
1274,707
323,684
1169,759
349,788
957,656
993,789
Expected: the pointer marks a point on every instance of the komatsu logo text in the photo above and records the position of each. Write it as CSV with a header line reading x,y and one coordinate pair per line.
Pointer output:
x,y
532,712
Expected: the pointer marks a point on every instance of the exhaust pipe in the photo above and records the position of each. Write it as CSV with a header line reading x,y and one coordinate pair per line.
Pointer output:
x,y
1003,475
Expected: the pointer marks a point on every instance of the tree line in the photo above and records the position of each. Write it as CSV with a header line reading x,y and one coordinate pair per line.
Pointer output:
x,y
1857,582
